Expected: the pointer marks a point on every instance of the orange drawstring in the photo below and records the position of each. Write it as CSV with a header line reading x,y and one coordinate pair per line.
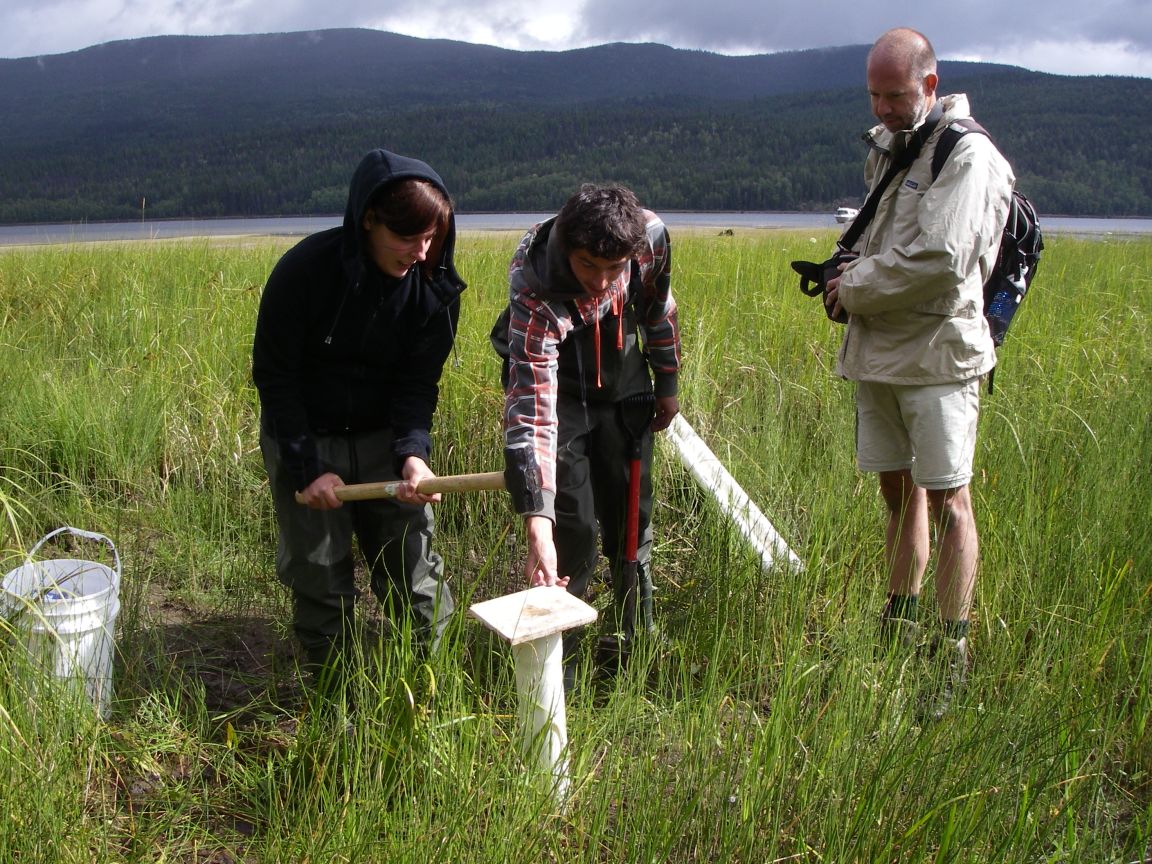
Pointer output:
x,y
617,302
618,308
596,341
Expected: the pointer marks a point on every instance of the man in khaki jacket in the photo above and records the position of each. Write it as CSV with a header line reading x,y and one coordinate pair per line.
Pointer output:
x,y
917,344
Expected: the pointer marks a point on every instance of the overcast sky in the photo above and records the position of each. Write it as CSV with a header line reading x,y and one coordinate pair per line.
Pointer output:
x,y
1075,37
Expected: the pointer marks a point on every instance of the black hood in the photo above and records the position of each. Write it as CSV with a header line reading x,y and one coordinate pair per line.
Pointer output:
x,y
377,169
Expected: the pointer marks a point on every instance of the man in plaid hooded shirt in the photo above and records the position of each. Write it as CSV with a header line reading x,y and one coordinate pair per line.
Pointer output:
x,y
590,322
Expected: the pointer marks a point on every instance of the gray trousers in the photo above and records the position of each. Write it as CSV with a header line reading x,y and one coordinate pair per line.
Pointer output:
x,y
314,555
592,462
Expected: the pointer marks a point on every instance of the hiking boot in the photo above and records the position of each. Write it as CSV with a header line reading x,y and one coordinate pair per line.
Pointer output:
x,y
614,650
328,674
612,653
571,674
948,670
902,633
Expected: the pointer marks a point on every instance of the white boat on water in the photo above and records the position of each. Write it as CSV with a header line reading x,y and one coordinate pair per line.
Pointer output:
x,y
846,214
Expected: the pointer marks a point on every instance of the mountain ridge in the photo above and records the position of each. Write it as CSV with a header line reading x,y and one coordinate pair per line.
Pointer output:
x,y
272,124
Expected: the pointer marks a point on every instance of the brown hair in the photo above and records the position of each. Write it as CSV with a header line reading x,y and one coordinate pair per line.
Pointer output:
x,y
412,206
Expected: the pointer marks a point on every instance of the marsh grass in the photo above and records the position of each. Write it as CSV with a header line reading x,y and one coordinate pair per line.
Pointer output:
x,y
768,727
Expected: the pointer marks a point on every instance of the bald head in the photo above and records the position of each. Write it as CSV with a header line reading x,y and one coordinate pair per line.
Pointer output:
x,y
902,78
907,49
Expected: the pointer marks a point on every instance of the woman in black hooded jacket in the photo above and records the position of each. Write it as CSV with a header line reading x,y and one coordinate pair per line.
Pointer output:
x,y
354,327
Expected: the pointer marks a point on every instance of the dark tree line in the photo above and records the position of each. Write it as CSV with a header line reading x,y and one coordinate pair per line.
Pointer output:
x,y
1080,146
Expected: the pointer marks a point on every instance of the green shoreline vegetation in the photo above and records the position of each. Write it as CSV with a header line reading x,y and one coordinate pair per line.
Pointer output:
x,y
768,728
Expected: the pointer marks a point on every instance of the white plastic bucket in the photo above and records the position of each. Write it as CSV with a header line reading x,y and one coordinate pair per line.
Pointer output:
x,y
64,611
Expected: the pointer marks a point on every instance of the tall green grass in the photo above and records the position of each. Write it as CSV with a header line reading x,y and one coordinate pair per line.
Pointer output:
x,y
768,728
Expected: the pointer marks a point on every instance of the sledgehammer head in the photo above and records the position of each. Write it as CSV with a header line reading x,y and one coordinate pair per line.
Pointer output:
x,y
522,478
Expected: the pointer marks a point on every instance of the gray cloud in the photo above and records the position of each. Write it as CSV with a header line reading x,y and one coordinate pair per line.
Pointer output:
x,y
953,28
1102,36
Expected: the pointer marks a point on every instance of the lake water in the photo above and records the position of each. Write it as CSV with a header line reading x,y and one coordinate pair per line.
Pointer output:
x,y
298,226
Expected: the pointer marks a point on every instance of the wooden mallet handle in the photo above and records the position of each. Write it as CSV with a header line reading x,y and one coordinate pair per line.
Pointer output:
x,y
490,481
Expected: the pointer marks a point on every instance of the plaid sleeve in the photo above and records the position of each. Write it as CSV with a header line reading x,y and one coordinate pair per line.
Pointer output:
x,y
535,330
659,324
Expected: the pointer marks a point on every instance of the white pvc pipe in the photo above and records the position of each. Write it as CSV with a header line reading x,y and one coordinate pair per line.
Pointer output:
x,y
733,500
543,720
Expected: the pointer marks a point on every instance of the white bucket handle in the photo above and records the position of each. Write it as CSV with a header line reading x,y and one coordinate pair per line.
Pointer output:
x,y
90,535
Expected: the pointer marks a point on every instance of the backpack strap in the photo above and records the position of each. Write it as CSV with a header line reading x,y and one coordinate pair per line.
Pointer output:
x,y
951,134
915,145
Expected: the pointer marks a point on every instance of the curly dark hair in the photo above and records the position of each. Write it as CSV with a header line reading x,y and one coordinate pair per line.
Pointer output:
x,y
605,221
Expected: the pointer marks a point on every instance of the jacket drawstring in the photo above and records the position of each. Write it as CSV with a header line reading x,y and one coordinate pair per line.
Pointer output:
x,y
618,311
596,344
340,312
617,303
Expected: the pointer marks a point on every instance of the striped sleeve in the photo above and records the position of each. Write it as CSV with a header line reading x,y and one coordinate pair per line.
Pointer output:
x,y
661,331
535,330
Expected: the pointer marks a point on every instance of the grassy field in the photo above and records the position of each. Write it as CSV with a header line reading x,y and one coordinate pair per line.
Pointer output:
x,y
768,729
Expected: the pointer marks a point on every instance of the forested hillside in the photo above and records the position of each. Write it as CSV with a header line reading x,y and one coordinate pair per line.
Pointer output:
x,y
272,125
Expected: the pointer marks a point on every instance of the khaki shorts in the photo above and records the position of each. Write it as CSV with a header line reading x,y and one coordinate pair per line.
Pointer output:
x,y
929,429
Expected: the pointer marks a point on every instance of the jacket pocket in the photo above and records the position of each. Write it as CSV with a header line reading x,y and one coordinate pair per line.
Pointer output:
x,y
950,305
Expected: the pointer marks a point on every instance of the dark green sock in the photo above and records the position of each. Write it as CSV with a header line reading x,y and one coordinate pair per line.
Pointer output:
x,y
956,629
902,606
